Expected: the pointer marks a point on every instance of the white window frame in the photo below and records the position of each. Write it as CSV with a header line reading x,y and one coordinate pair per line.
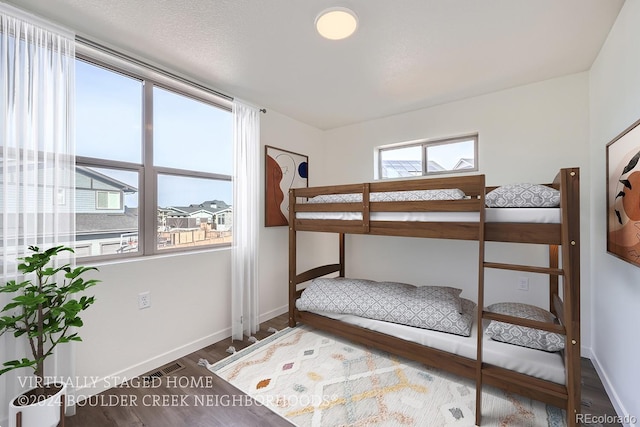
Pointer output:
x,y
425,144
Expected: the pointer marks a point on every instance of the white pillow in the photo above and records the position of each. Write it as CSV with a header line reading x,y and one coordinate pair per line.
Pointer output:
x,y
523,196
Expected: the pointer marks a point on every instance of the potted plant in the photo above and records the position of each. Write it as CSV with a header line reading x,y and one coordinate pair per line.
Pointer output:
x,y
46,313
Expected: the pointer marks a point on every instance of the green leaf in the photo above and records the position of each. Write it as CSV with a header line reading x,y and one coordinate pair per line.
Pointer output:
x,y
16,364
19,333
77,322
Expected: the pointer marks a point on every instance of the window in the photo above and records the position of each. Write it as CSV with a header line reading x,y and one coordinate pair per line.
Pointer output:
x,y
154,164
107,200
451,155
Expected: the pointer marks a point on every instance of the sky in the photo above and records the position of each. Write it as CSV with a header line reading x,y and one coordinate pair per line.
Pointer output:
x,y
188,134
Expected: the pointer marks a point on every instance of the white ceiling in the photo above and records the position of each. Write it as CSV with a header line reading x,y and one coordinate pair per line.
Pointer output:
x,y
406,54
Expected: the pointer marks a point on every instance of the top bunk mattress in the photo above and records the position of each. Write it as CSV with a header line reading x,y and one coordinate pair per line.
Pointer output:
x,y
542,215
527,215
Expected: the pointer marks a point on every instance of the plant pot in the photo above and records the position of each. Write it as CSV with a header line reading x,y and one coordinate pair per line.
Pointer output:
x,y
46,413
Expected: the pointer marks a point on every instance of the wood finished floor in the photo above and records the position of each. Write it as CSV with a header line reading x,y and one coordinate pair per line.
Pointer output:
x,y
182,402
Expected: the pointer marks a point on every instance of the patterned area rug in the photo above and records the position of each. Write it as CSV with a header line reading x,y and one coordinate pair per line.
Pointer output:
x,y
315,379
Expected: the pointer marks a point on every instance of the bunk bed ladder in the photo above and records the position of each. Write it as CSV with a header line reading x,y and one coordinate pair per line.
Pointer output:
x,y
553,273
567,312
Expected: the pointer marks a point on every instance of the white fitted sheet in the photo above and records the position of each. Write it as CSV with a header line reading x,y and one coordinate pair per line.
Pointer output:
x,y
537,363
528,215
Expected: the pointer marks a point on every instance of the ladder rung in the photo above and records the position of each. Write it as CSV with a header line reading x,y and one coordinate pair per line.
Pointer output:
x,y
529,268
545,326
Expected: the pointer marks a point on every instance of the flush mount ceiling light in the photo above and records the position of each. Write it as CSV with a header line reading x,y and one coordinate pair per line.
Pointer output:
x,y
336,23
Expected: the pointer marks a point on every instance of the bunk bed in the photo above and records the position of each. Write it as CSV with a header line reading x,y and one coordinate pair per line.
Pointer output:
x,y
359,209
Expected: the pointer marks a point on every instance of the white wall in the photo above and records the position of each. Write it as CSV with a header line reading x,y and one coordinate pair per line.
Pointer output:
x,y
526,134
283,132
615,104
190,309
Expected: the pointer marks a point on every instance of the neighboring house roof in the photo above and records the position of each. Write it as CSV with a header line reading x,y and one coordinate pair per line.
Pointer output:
x,y
398,168
433,166
91,173
212,204
401,168
467,163
211,207
172,211
90,223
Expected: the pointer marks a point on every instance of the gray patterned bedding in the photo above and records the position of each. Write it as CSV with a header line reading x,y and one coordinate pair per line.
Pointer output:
x,y
438,308
392,196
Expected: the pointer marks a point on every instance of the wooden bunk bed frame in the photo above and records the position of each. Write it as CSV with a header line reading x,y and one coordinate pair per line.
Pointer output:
x,y
565,305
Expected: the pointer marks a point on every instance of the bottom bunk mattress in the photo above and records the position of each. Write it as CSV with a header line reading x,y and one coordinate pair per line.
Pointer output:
x,y
536,363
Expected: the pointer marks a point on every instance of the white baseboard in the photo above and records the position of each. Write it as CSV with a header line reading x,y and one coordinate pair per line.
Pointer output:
x,y
85,391
138,369
611,392
116,378
273,313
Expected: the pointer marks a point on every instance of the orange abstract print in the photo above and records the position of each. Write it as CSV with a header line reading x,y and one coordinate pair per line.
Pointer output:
x,y
623,196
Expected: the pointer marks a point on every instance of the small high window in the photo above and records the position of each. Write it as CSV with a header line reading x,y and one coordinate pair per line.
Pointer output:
x,y
429,157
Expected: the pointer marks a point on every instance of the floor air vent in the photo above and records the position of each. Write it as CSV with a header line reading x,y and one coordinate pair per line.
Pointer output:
x,y
163,371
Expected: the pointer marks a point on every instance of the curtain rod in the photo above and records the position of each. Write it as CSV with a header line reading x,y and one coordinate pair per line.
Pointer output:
x,y
123,56
120,55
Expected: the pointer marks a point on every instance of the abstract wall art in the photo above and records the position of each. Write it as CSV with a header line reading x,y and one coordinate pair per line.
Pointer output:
x,y
283,170
623,195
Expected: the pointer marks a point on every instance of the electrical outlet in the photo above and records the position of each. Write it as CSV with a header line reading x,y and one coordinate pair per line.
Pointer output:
x,y
523,283
144,300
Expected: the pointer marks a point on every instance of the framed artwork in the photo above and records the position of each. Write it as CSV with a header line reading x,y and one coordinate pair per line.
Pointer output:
x,y
283,170
623,195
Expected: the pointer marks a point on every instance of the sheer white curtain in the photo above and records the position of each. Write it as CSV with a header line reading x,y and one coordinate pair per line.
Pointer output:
x,y
37,178
246,197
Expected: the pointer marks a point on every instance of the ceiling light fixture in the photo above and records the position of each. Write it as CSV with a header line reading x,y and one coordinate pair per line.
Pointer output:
x,y
336,23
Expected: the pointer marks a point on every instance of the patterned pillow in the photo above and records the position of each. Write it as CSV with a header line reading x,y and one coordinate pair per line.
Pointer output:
x,y
521,335
430,307
337,198
466,318
418,195
523,196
